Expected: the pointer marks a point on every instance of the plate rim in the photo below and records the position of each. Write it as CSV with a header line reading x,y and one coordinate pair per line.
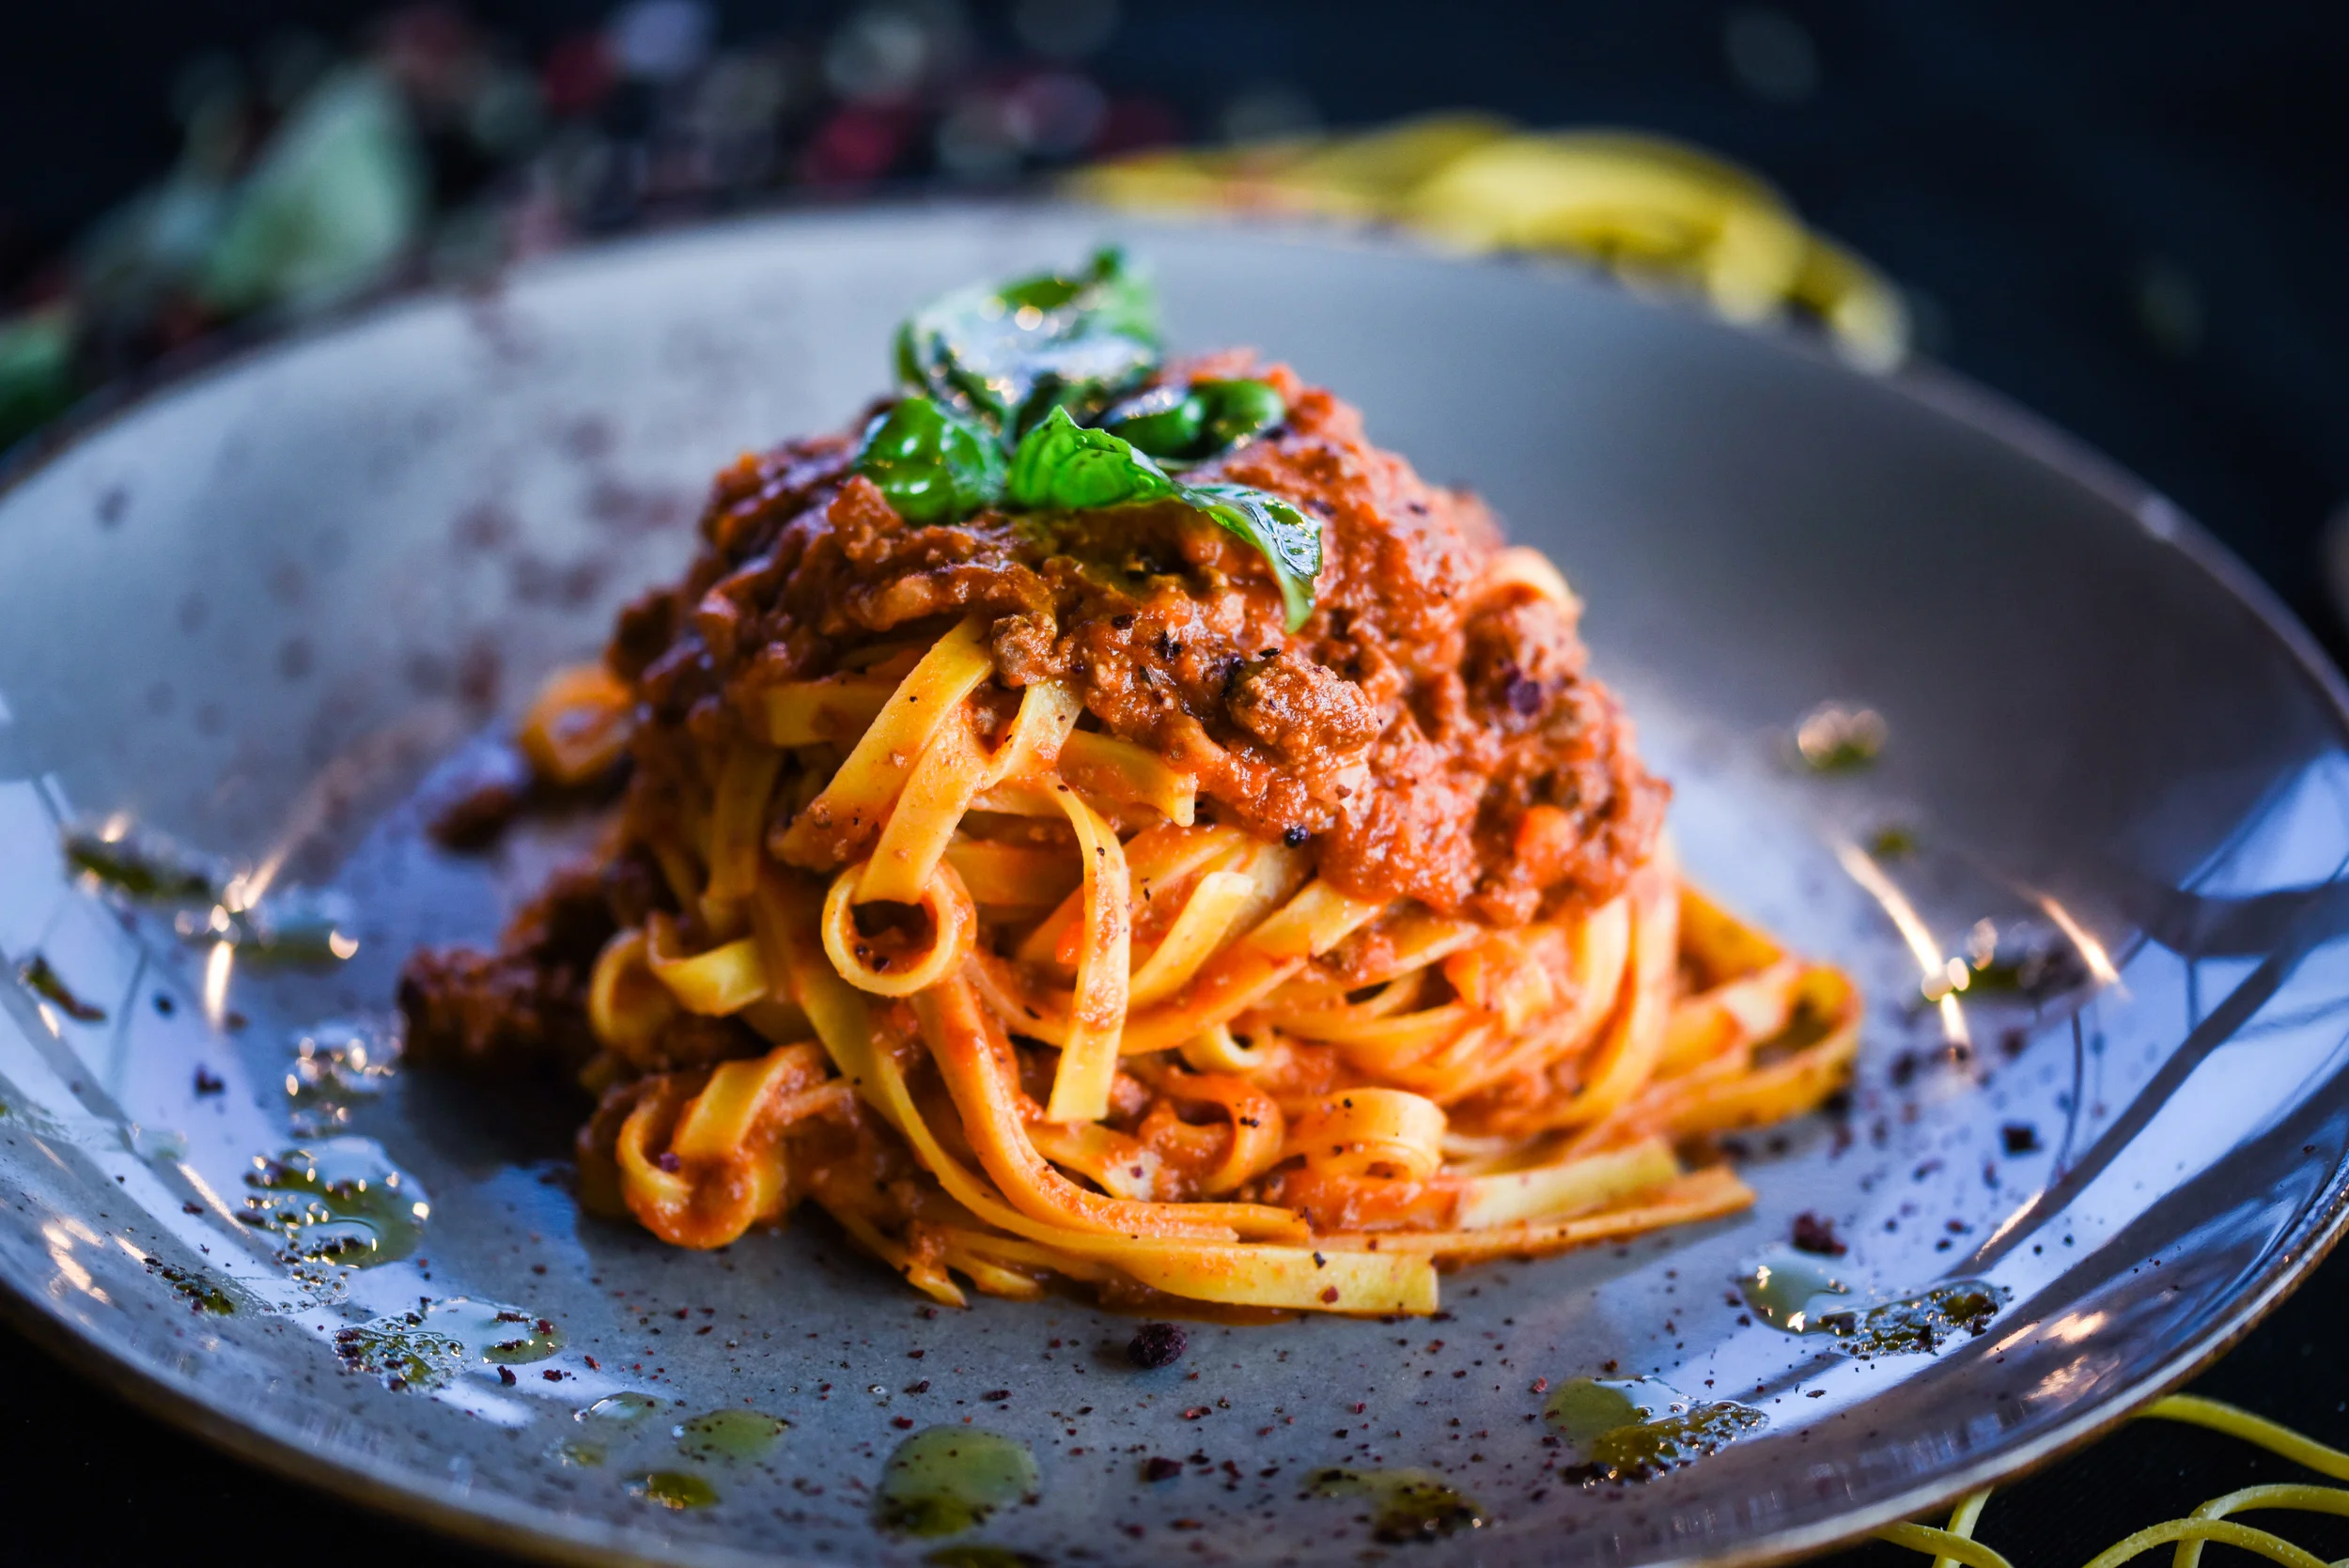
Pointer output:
x,y
491,1519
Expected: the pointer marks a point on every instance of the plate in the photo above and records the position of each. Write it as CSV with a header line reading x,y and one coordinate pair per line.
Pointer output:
x,y
257,610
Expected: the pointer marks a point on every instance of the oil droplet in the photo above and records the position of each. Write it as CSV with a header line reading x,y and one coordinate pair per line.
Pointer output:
x,y
339,1200
679,1489
1784,1289
1836,740
1583,1407
425,1350
335,1063
32,1119
1651,1448
39,977
142,863
2029,962
158,1144
576,1455
1916,1325
733,1434
1893,842
973,1555
409,1356
498,1335
200,1292
625,1409
292,925
1638,1428
945,1479
1797,1293
1405,1505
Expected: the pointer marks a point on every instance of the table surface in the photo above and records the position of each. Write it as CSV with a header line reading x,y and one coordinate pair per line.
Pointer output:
x,y
2129,218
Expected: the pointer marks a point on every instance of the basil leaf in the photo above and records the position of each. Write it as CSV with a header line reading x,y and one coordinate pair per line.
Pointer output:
x,y
1121,301
933,465
1009,356
1239,410
1063,466
1165,422
1289,540
1190,423
1019,364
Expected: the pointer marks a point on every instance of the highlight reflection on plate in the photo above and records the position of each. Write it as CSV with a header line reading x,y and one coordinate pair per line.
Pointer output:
x,y
2082,857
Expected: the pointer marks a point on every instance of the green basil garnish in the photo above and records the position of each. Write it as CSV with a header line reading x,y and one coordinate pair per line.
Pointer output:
x,y
1289,540
1061,466
1239,410
932,465
1167,421
1009,356
1023,368
1191,424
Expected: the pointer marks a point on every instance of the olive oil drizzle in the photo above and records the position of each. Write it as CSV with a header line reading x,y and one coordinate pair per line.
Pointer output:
x,y
1638,1428
1406,1504
943,1480
1800,1294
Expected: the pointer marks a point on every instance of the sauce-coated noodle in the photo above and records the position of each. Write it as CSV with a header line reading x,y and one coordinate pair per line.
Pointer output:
x,y
1044,896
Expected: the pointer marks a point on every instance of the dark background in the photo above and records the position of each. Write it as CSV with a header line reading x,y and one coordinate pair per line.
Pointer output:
x,y
2132,218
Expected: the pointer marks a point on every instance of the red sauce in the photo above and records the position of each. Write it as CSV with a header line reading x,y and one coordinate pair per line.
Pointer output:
x,y
1421,745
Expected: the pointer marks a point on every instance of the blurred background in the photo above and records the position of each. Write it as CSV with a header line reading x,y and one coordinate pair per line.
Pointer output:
x,y
2132,218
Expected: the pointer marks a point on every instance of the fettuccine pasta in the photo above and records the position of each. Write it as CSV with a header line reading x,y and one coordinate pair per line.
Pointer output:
x,y
1041,899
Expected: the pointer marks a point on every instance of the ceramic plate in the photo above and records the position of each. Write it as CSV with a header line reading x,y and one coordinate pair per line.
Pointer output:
x,y
256,609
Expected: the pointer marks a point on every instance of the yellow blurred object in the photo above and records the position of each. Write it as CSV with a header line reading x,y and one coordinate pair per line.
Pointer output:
x,y
1956,1547
1652,210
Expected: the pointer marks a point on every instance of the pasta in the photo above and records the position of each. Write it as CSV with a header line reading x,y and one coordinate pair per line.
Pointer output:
x,y
951,891
2207,1523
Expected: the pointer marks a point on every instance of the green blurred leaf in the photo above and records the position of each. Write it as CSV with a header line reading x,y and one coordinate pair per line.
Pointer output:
x,y
1189,424
148,251
1238,411
932,465
1008,356
35,371
1167,422
333,203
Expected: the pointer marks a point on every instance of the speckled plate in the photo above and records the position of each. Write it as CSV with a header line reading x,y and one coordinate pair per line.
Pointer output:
x,y
257,609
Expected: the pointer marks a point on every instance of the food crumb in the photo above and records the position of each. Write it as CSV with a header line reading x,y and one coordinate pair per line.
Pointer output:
x,y
1157,1344
1816,1233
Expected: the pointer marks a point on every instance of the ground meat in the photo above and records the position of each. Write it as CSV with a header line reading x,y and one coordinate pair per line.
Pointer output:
x,y
643,632
689,1040
1427,739
1299,709
474,808
632,887
524,1006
